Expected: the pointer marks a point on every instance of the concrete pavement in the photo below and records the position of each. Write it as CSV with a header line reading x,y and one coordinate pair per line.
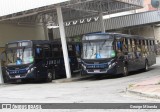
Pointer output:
x,y
148,88
108,89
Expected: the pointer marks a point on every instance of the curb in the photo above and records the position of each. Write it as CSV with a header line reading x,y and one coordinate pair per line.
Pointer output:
x,y
69,80
143,94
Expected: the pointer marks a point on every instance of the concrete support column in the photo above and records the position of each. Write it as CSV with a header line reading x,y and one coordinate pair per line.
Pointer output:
x,y
45,28
1,76
45,31
63,41
154,32
102,22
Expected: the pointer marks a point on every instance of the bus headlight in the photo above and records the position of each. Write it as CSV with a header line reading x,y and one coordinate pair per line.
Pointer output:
x,y
84,66
79,60
7,72
113,64
31,70
110,66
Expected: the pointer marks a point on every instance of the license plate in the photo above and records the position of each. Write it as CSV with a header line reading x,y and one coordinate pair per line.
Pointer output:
x,y
17,76
96,71
19,80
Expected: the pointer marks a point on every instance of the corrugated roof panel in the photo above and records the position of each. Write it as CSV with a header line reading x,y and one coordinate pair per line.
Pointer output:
x,y
115,23
14,6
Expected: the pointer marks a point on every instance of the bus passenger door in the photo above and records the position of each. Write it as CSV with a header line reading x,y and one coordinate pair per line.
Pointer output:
x,y
39,62
131,61
138,59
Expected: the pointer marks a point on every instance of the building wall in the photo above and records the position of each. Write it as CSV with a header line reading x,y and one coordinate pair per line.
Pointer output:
x,y
147,6
145,31
157,33
13,32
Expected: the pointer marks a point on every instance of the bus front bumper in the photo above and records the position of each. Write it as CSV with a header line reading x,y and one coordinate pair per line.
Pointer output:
x,y
28,75
111,71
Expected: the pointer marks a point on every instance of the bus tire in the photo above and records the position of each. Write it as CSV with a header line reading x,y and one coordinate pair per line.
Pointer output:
x,y
146,68
54,75
125,71
49,76
82,73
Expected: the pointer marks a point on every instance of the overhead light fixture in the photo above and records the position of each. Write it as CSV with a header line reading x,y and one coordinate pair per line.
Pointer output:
x,y
68,23
24,15
52,27
75,22
82,21
157,25
96,18
89,19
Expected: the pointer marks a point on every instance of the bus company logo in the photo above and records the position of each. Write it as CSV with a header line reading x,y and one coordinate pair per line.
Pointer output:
x,y
6,106
21,106
96,62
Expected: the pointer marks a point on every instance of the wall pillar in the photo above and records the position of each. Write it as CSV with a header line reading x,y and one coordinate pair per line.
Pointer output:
x,y
63,41
102,22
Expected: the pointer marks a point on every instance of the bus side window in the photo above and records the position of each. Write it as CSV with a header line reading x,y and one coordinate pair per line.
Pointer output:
x,y
78,50
61,51
56,50
119,48
119,45
125,45
143,46
138,44
150,43
129,45
39,52
133,45
130,56
152,46
146,46
47,49
71,50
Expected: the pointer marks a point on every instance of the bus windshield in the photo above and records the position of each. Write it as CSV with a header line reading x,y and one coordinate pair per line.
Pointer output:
x,y
19,56
98,49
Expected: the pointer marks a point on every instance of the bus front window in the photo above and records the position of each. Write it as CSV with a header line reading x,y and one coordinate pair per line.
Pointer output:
x,y
19,56
98,49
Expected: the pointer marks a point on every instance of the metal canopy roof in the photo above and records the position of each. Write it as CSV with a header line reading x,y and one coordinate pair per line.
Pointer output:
x,y
13,6
72,10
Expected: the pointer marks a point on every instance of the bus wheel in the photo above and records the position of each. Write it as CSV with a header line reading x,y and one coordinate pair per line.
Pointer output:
x,y
54,75
82,73
49,77
125,70
146,66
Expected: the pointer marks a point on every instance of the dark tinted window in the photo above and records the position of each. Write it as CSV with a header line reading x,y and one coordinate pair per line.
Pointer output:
x,y
38,52
56,50
71,50
47,51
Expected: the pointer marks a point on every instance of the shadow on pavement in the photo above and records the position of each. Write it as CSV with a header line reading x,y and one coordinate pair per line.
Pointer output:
x,y
95,77
106,76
